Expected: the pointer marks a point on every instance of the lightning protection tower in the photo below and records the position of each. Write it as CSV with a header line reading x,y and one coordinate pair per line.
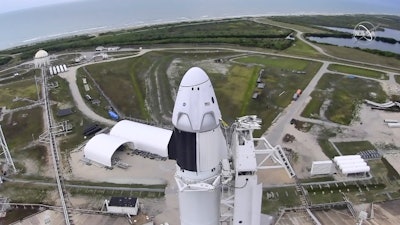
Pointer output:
x,y
6,152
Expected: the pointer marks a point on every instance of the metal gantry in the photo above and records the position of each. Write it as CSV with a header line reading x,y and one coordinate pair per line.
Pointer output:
x,y
54,149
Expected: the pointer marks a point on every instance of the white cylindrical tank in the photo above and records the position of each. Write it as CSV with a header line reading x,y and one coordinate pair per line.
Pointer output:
x,y
55,70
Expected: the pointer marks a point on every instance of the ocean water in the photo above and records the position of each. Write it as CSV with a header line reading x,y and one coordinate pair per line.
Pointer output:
x,y
88,16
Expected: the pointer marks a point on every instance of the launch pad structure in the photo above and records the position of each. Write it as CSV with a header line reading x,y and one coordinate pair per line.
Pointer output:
x,y
216,174
241,192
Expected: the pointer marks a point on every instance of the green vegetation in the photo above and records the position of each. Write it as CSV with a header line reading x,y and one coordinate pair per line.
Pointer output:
x,y
390,173
299,47
21,127
241,32
285,65
358,71
380,52
305,29
107,194
5,59
14,95
313,108
316,179
281,79
327,148
359,55
63,97
252,82
38,154
354,147
65,59
274,198
346,21
15,215
26,192
107,184
131,82
358,191
343,98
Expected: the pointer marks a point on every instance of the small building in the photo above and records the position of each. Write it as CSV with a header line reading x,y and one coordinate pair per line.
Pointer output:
x,y
322,168
255,95
65,112
260,85
290,37
100,48
113,49
122,205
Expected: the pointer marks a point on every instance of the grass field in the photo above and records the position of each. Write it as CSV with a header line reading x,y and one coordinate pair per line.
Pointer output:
x,y
279,197
301,48
22,89
344,98
142,88
27,193
354,147
21,127
281,82
63,97
38,154
305,29
327,148
361,56
358,71
359,192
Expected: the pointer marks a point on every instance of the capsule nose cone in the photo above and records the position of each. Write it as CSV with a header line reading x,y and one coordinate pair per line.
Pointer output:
x,y
194,76
196,108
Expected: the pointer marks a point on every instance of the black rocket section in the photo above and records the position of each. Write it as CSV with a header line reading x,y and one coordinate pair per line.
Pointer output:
x,y
182,148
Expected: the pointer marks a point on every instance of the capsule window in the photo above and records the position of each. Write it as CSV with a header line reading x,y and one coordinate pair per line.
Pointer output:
x,y
212,100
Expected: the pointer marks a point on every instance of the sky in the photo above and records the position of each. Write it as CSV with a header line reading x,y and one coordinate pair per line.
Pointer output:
x,y
13,5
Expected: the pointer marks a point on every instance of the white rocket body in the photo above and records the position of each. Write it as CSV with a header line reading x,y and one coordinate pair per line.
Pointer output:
x,y
198,146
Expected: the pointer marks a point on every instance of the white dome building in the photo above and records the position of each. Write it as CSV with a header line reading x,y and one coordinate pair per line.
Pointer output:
x,y
41,59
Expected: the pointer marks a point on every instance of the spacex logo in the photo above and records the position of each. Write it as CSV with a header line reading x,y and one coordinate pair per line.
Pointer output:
x,y
364,31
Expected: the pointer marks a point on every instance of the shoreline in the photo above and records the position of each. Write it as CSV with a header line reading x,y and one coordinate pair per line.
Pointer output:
x,y
140,24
